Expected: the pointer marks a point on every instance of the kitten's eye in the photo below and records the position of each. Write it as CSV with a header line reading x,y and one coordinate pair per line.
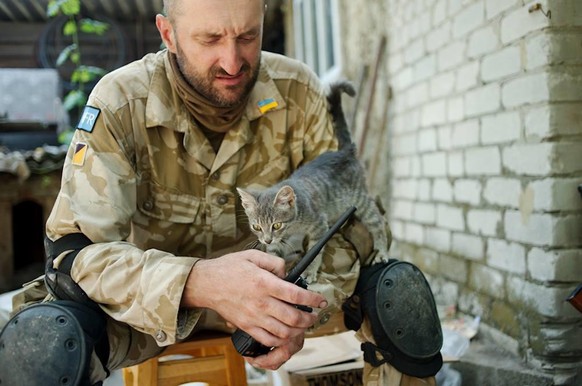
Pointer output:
x,y
277,226
257,228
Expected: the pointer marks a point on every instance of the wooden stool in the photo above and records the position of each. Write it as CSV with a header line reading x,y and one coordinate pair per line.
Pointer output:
x,y
212,359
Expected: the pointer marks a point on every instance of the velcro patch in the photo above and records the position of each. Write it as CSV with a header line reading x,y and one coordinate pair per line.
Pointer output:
x,y
266,105
79,155
88,118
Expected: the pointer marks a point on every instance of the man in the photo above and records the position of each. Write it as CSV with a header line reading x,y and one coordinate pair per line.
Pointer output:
x,y
148,193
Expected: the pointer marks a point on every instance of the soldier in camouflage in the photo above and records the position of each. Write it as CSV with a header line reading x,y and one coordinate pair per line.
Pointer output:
x,y
150,180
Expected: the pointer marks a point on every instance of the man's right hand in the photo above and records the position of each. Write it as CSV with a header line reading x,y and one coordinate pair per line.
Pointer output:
x,y
246,288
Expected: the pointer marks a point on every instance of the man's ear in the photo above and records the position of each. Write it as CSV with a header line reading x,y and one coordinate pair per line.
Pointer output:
x,y
166,32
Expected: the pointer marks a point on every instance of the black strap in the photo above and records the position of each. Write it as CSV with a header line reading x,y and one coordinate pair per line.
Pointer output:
x,y
72,242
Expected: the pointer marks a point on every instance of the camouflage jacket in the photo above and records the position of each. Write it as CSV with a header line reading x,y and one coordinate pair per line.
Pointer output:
x,y
143,183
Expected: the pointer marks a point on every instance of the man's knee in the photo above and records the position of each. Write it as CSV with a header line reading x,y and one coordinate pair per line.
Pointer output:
x,y
398,302
51,343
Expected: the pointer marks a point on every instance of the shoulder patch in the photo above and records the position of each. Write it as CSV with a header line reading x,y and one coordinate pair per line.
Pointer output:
x,y
88,118
79,154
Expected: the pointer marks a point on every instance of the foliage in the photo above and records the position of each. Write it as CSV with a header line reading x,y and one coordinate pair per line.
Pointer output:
x,y
73,27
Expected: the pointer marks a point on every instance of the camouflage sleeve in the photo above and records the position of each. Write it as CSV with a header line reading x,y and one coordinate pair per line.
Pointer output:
x,y
98,198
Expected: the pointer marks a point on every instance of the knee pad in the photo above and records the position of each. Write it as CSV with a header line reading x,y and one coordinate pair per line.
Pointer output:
x,y
398,302
50,344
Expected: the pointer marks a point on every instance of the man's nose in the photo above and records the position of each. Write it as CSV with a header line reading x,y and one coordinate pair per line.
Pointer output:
x,y
231,60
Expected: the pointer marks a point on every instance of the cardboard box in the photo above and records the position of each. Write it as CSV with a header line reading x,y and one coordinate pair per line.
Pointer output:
x,y
346,374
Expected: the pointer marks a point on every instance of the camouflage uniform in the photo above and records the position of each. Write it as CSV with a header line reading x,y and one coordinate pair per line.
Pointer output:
x,y
144,184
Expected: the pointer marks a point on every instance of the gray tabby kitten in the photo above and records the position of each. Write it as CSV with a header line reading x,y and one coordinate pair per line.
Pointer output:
x,y
302,207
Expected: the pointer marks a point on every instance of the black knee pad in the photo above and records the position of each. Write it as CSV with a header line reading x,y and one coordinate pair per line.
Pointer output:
x,y
398,301
50,344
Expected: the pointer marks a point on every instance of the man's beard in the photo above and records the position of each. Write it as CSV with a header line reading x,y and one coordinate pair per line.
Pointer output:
x,y
203,84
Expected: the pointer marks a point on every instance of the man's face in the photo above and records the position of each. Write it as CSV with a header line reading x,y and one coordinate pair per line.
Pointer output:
x,y
218,46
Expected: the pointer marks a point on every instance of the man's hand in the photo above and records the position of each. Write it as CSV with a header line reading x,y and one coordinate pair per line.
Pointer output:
x,y
246,289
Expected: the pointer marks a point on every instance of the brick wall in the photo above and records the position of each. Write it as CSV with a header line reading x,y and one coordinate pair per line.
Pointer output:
x,y
481,156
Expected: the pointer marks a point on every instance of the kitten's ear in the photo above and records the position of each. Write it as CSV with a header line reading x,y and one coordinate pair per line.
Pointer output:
x,y
285,197
247,199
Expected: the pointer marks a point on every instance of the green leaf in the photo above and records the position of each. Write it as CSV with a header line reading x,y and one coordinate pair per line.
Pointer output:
x,y
74,99
76,57
93,26
70,28
53,8
65,54
85,74
71,7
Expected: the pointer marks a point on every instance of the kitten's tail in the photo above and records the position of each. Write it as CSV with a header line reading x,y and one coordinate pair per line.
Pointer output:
x,y
334,98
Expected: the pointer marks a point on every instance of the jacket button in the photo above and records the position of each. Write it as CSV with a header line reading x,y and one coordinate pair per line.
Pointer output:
x,y
325,318
148,205
222,199
160,336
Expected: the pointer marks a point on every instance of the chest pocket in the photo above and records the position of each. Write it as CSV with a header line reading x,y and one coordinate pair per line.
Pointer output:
x,y
168,205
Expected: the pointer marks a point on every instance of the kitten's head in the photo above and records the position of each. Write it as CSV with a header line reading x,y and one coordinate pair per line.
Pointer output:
x,y
270,212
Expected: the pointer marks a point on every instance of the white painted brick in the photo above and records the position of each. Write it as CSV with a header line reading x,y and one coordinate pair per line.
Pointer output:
x,y
454,268
567,230
504,192
442,85
520,22
501,64
444,137
537,51
417,95
554,194
414,51
424,189
564,48
442,190
424,213
483,161
555,265
533,160
404,188
487,280
467,76
509,257
496,7
534,229
468,246
416,164
439,13
427,140
405,144
467,191
451,55
527,89
414,233
438,239
402,209
466,134
544,300
438,38
434,113
402,79
402,167
425,68
450,217
434,164
397,229
455,109
483,100
454,7
483,221
424,22
501,128
482,41
395,63
468,19
559,119
456,164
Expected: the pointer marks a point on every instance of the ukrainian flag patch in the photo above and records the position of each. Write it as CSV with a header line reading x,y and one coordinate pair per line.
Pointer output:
x,y
88,119
266,105
79,154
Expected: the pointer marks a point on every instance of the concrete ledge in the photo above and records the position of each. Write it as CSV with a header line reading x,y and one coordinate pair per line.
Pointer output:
x,y
488,365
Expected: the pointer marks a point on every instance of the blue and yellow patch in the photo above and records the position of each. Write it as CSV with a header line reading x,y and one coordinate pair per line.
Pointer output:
x,y
79,154
267,104
88,118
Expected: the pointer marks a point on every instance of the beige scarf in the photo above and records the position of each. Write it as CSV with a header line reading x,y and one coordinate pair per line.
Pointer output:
x,y
207,115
